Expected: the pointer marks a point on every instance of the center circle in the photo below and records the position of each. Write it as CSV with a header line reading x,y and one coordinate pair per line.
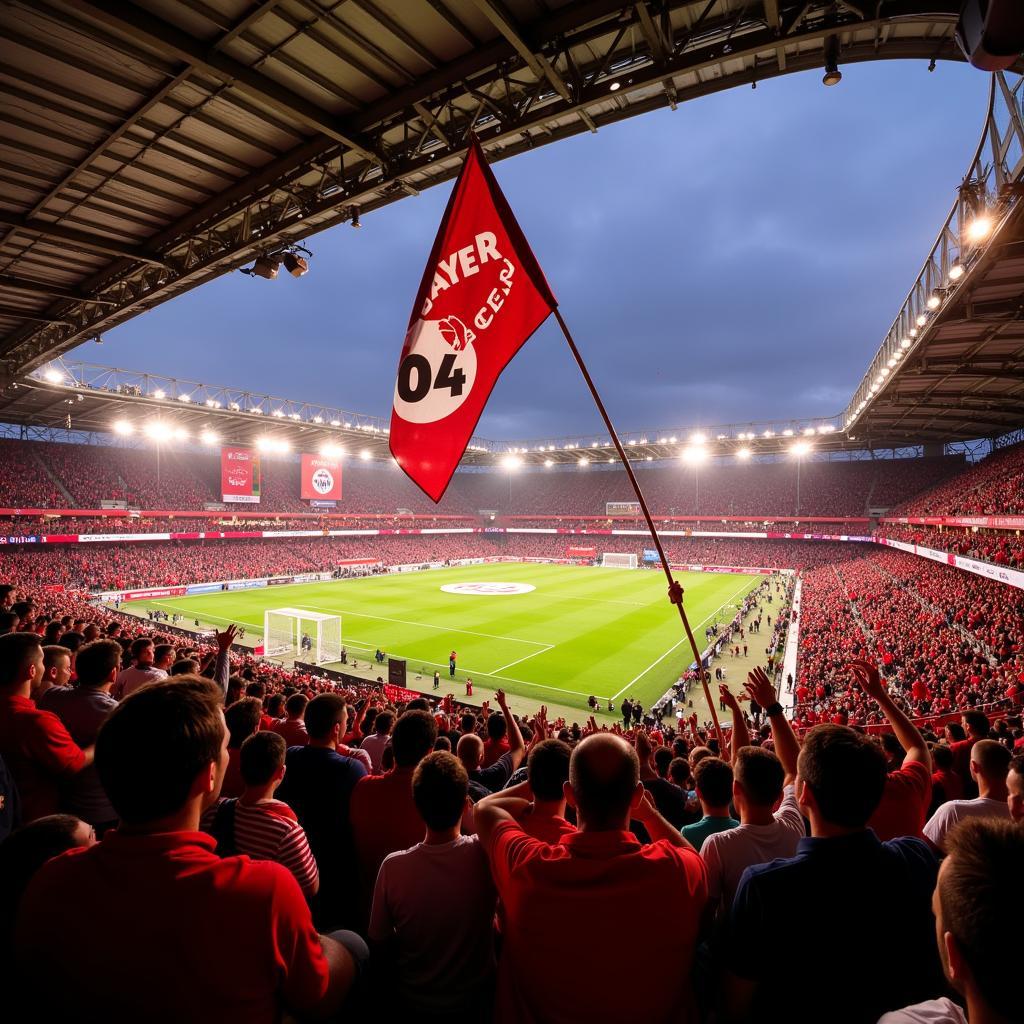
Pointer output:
x,y
488,589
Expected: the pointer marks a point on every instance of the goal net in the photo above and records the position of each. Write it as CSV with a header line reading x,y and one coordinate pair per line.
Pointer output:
x,y
304,636
616,561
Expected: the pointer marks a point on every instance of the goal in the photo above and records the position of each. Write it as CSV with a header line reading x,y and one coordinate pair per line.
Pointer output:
x,y
616,561
286,631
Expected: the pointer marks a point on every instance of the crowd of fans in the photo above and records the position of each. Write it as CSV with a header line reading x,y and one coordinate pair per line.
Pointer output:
x,y
89,474
946,640
999,547
218,839
995,486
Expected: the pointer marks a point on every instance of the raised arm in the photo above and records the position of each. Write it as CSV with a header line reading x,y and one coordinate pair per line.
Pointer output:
x,y
740,733
787,746
657,825
907,733
222,670
516,747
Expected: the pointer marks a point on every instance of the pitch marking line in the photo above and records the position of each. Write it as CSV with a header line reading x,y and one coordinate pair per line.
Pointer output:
x,y
501,668
422,625
679,643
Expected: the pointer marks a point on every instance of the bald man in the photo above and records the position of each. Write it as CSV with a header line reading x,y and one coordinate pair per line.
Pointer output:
x,y
567,904
990,762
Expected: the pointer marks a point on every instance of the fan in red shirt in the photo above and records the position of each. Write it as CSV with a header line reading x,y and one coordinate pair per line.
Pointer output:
x,y
37,749
563,902
382,811
242,937
904,805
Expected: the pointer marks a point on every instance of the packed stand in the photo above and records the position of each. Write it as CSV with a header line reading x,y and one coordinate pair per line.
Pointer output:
x,y
315,850
995,486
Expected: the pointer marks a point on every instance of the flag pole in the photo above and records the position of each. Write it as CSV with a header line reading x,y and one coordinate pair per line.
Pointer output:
x,y
675,590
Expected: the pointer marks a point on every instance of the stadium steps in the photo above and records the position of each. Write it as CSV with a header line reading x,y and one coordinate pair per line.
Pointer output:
x,y
55,480
973,640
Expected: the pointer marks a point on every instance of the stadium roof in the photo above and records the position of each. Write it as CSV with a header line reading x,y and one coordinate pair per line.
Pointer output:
x,y
149,147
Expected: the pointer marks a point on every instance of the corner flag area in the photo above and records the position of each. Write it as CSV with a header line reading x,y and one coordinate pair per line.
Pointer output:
x,y
610,633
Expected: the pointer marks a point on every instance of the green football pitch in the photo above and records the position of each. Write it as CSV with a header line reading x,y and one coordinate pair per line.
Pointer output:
x,y
578,631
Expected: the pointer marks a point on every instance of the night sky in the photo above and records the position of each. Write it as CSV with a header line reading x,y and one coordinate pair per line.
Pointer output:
x,y
740,258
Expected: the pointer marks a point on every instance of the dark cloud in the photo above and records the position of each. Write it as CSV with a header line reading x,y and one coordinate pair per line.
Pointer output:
x,y
740,258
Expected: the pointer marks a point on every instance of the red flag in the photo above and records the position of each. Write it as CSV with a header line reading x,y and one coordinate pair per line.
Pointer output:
x,y
482,295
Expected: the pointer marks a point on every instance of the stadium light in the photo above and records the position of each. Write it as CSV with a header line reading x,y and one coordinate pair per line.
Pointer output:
x,y
922,319
912,332
614,87
209,437
583,463
548,463
800,448
123,427
956,272
364,455
979,228
787,433
905,343
331,451
278,413
273,445
809,432
180,434
158,431
694,456
743,453
53,376
184,398
698,438
873,388
318,419
933,301
256,411
884,372
892,361
511,462
335,423
159,393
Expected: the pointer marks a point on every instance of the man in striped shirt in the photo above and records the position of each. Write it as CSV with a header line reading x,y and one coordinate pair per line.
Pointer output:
x,y
258,825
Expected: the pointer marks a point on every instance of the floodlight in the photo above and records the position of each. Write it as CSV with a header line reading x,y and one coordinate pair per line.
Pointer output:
x,y
364,455
934,301
159,393
332,451
912,332
123,427
979,228
511,462
698,438
583,463
614,87
318,419
212,403
180,434
922,319
256,411
335,423
295,265
800,448
693,456
743,453
833,76
157,431
548,463
279,413
905,343
892,360
769,433
208,437
54,376
873,388
787,433
809,432
265,266
184,398
884,372
956,272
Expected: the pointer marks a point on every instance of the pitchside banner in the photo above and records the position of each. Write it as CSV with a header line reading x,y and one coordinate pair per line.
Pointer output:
x,y
240,475
321,478
482,295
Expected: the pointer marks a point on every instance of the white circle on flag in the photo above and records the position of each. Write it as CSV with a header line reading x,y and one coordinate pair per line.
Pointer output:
x,y
488,589
437,372
323,481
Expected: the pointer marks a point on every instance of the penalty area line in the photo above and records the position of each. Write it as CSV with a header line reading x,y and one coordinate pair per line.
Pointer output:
x,y
501,668
678,643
